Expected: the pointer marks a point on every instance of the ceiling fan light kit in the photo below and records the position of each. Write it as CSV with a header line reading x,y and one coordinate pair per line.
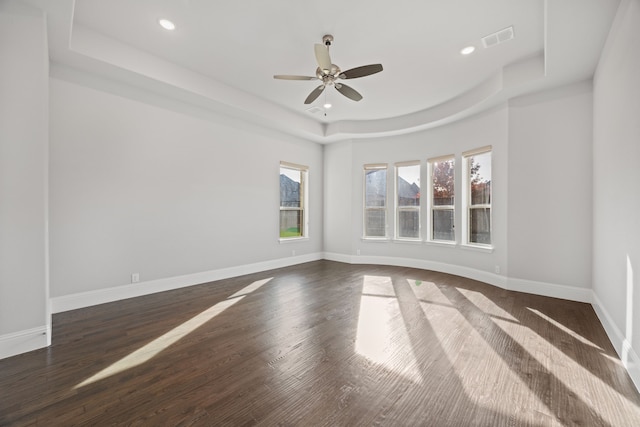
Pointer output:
x,y
328,73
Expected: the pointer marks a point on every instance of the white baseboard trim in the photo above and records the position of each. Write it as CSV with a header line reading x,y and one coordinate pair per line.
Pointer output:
x,y
101,296
332,256
520,285
623,347
117,293
572,293
24,341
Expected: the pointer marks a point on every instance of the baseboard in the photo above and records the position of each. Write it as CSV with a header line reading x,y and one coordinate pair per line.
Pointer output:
x,y
469,273
117,293
332,256
24,341
627,354
519,285
572,293
101,296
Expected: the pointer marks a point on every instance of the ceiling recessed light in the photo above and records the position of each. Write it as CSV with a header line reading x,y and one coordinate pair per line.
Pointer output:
x,y
327,105
468,50
166,24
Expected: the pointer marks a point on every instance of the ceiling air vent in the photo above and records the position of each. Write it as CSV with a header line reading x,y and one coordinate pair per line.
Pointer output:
x,y
314,110
498,37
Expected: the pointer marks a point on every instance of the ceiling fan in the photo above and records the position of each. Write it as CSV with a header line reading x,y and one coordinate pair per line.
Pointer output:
x,y
329,73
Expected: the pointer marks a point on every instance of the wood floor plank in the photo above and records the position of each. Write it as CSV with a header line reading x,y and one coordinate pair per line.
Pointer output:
x,y
327,344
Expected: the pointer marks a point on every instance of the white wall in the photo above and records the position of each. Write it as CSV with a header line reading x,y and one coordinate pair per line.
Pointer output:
x,y
338,198
24,317
550,135
151,186
616,186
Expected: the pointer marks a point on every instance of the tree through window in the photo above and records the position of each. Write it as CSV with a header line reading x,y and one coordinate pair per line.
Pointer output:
x,y
478,165
442,198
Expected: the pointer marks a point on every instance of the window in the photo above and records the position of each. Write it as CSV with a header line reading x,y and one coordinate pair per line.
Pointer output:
x,y
375,201
293,201
478,182
408,200
442,183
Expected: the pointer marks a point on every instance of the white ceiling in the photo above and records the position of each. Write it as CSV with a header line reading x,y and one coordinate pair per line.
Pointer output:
x,y
223,55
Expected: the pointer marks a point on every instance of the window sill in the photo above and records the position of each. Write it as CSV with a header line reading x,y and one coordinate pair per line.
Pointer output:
x,y
409,241
476,248
375,239
486,249
294,240
444,243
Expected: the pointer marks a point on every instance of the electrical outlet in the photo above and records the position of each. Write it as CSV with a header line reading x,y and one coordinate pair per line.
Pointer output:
x,y
293,252
357,251
135,277
497,269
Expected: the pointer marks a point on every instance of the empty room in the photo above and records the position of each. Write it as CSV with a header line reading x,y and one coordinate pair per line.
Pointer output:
x,y
331,213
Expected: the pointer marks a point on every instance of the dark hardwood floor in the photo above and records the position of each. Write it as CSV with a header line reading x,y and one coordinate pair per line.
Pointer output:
x,y
325,343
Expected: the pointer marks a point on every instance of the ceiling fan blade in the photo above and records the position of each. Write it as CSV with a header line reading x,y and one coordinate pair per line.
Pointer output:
x,y
365,70
314,94
349,92
322,56
286,77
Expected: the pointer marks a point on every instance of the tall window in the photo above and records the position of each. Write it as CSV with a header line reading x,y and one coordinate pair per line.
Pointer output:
x,y
442,198
478,170
408,200
293,201
375,200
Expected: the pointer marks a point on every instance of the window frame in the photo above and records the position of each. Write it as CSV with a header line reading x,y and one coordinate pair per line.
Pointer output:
x,y
431,203
384,208
399,209
304,203
469,205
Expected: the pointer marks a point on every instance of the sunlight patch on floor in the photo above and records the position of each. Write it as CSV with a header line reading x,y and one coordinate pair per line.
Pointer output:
x,y
586,386
145,353
613,359
381,336
428,292
486,305
565,329
454,333
378,285
435,305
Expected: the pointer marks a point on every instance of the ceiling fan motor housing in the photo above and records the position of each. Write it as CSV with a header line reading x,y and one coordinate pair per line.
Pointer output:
x,y
328,76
